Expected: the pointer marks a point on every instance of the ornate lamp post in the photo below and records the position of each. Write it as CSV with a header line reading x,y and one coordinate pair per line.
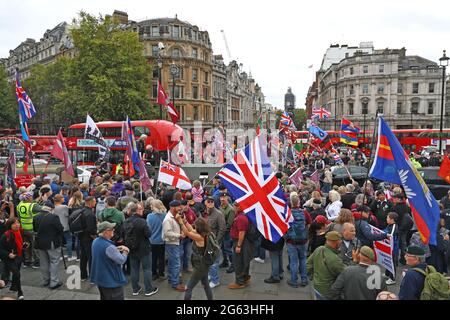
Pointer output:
x,y
443,62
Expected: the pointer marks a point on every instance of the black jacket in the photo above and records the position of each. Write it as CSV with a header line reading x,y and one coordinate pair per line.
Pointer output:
x,y
89,224
269,245
404,218
142,232
347,200
381,210
49,230
7,245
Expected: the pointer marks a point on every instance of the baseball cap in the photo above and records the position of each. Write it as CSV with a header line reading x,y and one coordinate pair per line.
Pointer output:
x,y
321,219
174,203
209,198
105,225
333,236
26,196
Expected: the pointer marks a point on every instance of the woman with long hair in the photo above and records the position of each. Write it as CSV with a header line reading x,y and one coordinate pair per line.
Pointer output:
x,y
154,221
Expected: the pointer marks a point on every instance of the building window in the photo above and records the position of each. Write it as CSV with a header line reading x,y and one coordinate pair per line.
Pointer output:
x,y
380,107
179,94
399,108
194,53
431,87
365,88
194,92
155,91
414,107
155,31
182,115
430,107
206,109
155,72
352,90
380,88
195,113
176,31
365,108
206,77
350,108
155,50
415,87
194,74
365,69
381,68
176,53
400,88
351,70
205,93
180,74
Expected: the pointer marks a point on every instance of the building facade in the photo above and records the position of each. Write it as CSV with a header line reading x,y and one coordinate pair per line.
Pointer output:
x,y
289,101
219,91
404,89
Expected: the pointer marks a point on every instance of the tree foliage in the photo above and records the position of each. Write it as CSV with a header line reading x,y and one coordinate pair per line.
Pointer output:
x,y
300,118
9,114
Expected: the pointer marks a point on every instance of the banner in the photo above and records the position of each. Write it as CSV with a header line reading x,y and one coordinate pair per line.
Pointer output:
x,y
384,251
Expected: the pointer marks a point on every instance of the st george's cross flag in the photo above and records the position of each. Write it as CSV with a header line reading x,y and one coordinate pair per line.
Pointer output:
x,y
251,181
59,151
173,175
163,98
393,165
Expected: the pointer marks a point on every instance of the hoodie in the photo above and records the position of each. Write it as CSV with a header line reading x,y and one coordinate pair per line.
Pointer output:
x,y
112,215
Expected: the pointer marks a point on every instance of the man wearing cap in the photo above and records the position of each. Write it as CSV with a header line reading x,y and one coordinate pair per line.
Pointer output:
x,y
127,198
44,197
172,235
325,265
216,222
353,282
364,231
49,234
27,209
107,261
413,281
380,208
227,244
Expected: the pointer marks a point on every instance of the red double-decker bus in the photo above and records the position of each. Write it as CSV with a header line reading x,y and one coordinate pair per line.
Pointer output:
x,y
41,146
161,134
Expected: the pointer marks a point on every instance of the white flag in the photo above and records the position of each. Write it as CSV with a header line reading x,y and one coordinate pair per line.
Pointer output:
x,y
92,132
384,251
174,176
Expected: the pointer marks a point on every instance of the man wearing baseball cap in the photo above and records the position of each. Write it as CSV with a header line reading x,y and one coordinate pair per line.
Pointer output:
x,y
27,209
107,260
325,265
351,284
413,282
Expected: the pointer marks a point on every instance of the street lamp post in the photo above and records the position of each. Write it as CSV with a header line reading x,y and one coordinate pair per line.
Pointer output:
x,y
160,65
443,62
174,70
335,100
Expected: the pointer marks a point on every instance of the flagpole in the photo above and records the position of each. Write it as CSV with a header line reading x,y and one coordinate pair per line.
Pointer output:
x,y
372,158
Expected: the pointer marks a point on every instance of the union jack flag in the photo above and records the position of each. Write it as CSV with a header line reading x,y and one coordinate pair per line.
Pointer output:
x,y
320,113
26,107
286,121
253,184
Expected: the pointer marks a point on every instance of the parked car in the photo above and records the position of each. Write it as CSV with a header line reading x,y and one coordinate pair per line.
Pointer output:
x,y
83,173
341,178
438,186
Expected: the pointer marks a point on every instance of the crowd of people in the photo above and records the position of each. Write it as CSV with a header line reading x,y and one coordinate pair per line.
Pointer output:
x,y
112,229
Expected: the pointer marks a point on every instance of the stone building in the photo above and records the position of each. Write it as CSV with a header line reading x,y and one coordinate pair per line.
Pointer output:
x,y
289,101
219,91
405,89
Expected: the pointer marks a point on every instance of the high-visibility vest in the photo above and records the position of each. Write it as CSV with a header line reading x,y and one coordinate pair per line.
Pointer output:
x,y
26,215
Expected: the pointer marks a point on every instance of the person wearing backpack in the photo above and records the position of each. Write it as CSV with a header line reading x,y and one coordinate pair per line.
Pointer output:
x,y
297,243
113,215
243,249
136,235
202,241
414,282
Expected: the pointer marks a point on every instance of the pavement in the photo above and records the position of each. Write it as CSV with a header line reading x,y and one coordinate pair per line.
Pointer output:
x,y
257,290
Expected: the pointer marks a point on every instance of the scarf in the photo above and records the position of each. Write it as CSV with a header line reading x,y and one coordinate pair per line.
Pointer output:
x,y
18,239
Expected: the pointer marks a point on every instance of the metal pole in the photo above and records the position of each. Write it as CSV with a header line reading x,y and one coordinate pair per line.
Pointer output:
x,y
364,130
173,89
335,102
442,110
160,79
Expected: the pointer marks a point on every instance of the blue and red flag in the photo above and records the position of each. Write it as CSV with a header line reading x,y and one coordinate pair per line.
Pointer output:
x,y
349,133
131,155
251,181
26,112
317,132
393,165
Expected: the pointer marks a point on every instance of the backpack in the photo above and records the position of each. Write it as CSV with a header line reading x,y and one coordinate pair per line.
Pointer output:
x,y
252,233
212,250
130,237
298,230
436,286
76,221
101,205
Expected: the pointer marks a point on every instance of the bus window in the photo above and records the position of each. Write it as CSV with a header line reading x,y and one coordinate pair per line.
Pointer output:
x,y
138,131
76,132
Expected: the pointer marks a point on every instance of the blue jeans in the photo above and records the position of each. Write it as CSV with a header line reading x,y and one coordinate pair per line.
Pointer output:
x,y
227,248
135,263
326,187
297,255
260,252
68,237
276,258
185,252
174,264
214,270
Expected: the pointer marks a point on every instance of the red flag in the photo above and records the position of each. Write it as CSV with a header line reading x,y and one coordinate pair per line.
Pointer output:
x,y
297,177
143,176
27,150
60,152
164,99
444,171
315,176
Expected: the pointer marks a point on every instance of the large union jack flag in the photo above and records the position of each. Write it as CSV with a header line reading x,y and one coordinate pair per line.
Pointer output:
x,y
286,121
253,184
26,107
320,113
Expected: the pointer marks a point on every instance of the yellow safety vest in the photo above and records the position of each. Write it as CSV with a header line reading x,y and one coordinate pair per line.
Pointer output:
x,y
26,215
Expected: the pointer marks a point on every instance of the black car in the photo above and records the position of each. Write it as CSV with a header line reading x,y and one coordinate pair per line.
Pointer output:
x,y
438,186
341,178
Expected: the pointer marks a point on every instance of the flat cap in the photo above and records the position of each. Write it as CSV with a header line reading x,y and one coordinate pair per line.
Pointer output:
x,y
415,251
367,252
333,236
105,225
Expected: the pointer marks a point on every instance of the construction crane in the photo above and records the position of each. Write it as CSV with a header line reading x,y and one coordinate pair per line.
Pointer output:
x,y
226,45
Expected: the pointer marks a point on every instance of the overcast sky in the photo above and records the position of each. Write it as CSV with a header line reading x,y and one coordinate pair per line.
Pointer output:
x,y
276,40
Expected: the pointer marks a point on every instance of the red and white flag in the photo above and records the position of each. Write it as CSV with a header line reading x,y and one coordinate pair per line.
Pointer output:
x,y
164,99
60,152
297,177
315,177
174,176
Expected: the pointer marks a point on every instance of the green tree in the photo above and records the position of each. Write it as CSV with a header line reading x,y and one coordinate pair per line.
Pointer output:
x,y
9,114
300,119
109,76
